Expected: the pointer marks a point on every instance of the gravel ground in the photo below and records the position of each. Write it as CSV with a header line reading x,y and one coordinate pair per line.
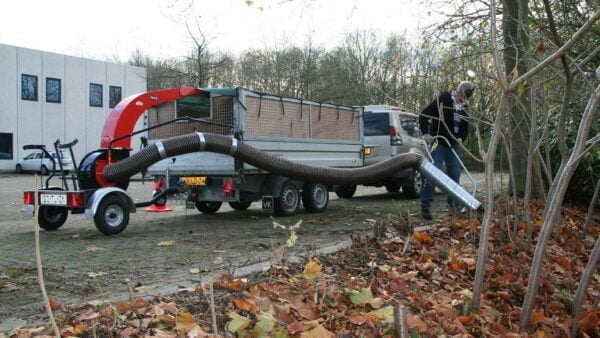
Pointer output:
x,y
240,238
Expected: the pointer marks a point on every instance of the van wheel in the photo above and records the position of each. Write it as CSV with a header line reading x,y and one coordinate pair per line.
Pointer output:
x,y
345,191
289,200
112,215
208,207
393,187
315,197
240,205
52,218
415,187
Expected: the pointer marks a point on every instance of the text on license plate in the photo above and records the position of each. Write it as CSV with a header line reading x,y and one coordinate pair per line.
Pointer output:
x,y
198,180
53,199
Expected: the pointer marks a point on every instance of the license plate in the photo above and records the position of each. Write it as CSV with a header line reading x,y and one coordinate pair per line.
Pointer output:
x,y
199,180
53,199
268,204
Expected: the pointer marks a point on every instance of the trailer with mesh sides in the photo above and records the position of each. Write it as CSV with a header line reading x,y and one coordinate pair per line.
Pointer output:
x,y
299,130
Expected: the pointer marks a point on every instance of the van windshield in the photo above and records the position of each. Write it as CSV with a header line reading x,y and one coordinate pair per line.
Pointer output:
x,y
376,124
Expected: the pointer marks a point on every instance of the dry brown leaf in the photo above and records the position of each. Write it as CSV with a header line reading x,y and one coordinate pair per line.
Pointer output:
x,y
139,303
421,236
79,329
305,310
416,323
243,305
54,305
294,327
467,320
312,268
537,317
170,307
317,332
88,315
123,307
185,322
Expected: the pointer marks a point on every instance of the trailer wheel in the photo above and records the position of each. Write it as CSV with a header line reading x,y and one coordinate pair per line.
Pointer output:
x,y
393,187
52,218
208,207
289,200
315,197
345,191
241,204
415,186
112,215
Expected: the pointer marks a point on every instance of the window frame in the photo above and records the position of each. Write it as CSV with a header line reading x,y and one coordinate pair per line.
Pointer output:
x,y
110,103
36,89
59,89
101,95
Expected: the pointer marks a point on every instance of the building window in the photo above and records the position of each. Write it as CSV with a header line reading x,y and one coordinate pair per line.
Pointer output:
x,y
6,146
52,90
29,87
95,95
114,96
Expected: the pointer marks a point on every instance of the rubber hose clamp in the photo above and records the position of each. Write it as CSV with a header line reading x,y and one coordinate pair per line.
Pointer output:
x,y
234,144
161,149
202,141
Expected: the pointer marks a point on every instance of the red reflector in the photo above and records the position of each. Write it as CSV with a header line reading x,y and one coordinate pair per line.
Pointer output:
x,y
76,199
393,131
29,197
227,186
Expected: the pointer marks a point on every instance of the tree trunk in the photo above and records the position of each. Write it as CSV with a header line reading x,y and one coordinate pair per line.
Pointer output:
x,y
516,42
590,268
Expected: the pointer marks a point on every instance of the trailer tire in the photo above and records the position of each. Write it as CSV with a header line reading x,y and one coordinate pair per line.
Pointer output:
x,y
208,207
345,191
240,205
393,187
315,197
112,215
415,187
52,218
288,202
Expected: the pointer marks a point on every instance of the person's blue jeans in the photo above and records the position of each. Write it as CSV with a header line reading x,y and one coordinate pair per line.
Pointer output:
x,y
442,154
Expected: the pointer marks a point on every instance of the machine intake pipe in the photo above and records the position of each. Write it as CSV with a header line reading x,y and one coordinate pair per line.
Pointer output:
x,y
279,166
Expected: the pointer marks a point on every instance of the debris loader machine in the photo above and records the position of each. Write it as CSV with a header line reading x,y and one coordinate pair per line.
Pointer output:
x,y
232,145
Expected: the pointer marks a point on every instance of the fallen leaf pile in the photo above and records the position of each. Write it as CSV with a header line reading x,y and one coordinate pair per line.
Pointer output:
x,y
355,292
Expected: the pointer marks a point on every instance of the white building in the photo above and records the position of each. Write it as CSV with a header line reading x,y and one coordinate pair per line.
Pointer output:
x,y
46,96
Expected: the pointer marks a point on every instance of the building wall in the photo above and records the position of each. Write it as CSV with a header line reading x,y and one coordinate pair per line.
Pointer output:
x,y
41,122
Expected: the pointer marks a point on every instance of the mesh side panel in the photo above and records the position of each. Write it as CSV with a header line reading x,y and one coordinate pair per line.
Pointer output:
x,y
266,117
222,112
276,118
334,123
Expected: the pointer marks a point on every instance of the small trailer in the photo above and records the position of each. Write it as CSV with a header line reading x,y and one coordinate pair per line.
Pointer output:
x,y
303,131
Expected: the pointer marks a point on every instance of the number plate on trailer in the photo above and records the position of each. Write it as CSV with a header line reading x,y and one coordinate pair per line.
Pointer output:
x,y
268,204
53,199
199,180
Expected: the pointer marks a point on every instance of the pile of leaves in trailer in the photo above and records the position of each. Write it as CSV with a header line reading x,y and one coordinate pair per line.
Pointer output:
x,y
419,282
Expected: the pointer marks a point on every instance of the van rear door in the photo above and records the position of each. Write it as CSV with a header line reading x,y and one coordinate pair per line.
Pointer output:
x,y
377,135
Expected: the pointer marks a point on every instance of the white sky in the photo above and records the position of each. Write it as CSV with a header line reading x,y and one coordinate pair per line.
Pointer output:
x,y
104,28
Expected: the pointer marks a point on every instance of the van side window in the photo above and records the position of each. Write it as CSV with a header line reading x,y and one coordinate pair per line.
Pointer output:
x,y
376,124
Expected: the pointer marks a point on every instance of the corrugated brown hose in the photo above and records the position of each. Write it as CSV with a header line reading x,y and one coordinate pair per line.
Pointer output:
x,y
279,166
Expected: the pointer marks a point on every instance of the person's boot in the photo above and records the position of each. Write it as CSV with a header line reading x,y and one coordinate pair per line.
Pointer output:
x,y
426,214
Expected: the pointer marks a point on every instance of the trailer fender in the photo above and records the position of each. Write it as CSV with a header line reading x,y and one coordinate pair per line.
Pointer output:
x,y
94,200
272,185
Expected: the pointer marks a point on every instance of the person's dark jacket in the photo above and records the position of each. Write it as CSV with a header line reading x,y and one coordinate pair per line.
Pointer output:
x,y
429,119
